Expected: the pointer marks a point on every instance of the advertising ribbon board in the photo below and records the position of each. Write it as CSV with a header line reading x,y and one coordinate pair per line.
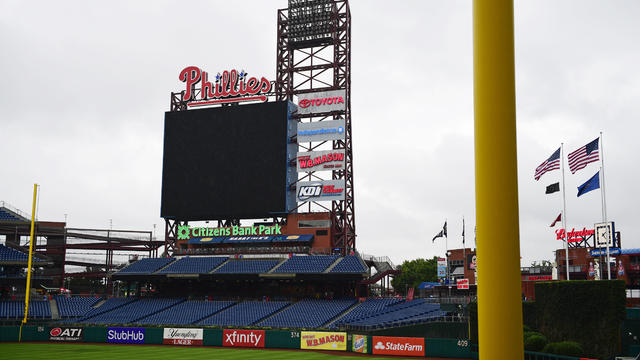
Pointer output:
x,y
125,335
320,160
359,344
325,190
320,102
405,346
243,338
66,334
321,131
317,340
177,336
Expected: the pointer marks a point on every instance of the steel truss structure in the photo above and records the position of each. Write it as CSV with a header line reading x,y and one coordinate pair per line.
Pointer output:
x,y
312,64
315,64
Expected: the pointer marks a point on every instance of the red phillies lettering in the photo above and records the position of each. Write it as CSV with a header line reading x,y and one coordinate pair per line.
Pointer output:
x,y
228,84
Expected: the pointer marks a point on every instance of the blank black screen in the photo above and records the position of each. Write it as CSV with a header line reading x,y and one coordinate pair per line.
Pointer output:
x,y
225,162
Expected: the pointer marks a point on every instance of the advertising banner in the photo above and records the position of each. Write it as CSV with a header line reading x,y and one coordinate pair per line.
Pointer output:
x,y
462,284
320,102
66,334
405,346
603,252
359,344
442,268
243,338
325,190
125,335
317,340
320,160
177,336
472,262
321,131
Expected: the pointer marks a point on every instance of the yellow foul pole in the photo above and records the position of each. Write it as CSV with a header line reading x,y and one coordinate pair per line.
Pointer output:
x,y
26,298
498,241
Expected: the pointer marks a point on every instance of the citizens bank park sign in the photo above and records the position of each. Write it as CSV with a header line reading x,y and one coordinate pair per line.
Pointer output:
x,y
228,87
320,160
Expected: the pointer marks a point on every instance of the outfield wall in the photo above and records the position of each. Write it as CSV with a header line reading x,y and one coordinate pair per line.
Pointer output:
x,y
274,339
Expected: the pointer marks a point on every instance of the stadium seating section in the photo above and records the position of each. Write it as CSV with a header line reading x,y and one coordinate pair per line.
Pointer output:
x,y
188,312
408,313
75,307
9,254
15,309
247,266
146,266
307,264
245,314
308,314
349,264
8,216
108,305
132,312
312,264
193,265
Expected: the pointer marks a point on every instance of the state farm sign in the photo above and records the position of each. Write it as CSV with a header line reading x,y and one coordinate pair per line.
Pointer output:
x,y
321,102
243,338
406,346
176,336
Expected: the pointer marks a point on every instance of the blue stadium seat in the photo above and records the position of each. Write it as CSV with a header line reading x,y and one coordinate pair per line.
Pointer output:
x,y
348,265
15,309
133,311
306,264
75,307
185,313
248,266
308,314
193,265
9,254
245,314
146,266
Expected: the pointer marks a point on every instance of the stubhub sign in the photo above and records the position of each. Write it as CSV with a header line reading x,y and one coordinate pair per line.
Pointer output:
x,y
125,335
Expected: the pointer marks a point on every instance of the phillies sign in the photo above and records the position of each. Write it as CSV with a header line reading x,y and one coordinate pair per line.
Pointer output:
x,y
573,235
228,87
320,160
243,338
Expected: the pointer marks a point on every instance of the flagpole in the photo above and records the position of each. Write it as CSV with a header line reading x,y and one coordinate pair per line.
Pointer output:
x,y
464,254
564,213
604,205
446,245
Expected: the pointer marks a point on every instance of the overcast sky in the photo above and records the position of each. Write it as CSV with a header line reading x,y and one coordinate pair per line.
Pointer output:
x,y
85,85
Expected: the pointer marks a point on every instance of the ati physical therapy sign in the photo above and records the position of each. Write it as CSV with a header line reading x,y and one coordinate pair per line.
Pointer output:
x,y
228,87
187,232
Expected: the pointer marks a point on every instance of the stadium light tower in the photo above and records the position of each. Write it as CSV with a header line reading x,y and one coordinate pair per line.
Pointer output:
x,y
314,56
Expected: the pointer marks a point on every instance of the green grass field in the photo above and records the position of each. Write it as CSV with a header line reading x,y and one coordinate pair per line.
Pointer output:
x,y
29,351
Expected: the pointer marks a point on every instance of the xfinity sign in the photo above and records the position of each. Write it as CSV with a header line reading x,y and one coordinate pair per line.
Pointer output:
x,y
243,338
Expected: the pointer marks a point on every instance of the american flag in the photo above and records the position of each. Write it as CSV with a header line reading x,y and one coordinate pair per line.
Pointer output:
x,y
584,155
552,163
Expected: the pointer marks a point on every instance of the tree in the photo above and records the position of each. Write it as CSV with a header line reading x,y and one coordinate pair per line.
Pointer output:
x,y
415,272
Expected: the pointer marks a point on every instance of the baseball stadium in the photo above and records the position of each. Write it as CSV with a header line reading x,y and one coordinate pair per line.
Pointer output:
x,y
258,255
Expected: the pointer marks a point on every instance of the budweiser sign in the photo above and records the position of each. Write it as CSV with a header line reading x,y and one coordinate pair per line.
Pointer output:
x,y
573,235
228,86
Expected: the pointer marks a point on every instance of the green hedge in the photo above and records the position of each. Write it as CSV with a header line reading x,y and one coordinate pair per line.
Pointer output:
x,y
587,312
